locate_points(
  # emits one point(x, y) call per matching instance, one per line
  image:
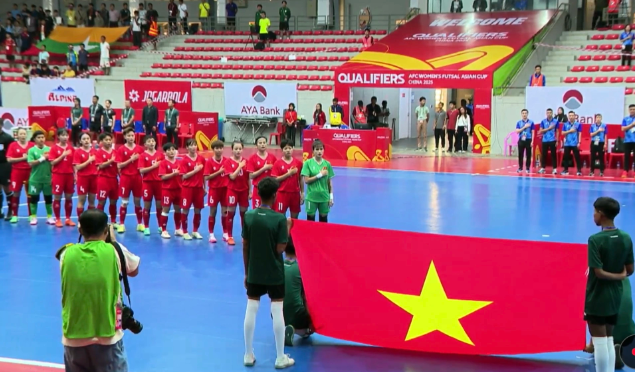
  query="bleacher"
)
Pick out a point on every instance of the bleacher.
point(590, 57)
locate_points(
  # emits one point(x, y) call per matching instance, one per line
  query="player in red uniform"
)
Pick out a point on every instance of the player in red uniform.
point(107, 185)
point(286, 170)
point(152, 186)
point(259, 166)
point(192, 170)
point(126, 158)
point(169, 171)
point(238, 191)
point(86, 170)
point(217, 184)
point(62, 177)
point(20, 170)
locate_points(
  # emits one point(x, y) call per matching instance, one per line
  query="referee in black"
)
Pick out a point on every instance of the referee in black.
point(5, 173)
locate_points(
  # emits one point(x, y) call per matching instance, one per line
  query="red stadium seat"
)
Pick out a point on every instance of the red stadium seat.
point(196, 85)
point(577, 69)
point(585, 79)
point(269, 67)
point(302, 87)
point(280, 77)
point(344, 59)
point(325, 78)
point(290, 68)
point(207, 76)
point(176, 75)
point(333, 68)
point(607, 68)
point(280, 67)
point(314, 87)
point(616, 79)
point(300, 58)
point(617, 46)
point(269, 77)
point(326, 88)
point(291, 77)
point(622, 68)
point(591, 47)
point(592, 68)
point(612, 36)
point(599, 57)
point(301, 67)
point(629, 91)
point(187, 75)
point(323, 68)
point(570, 80)
point(205, 85)
point(322, 59)
point(613, 57)
point(156, 65)
point(312, 68)
point(227, 76)
point(145, 74)
point(605, 47)
point(248, 77)
point(311, 58)
point(630, 79)
point(601, 79)
point(216, 76)
point(259, 77)
point(618, 26)
point(313, 77)
point(598, 37)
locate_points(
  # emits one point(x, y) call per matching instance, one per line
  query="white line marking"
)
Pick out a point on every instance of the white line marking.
point(545, 236)
point(41, 201)
point(31, 363)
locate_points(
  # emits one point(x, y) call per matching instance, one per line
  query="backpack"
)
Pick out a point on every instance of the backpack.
point(260, 46)
point(618, 146)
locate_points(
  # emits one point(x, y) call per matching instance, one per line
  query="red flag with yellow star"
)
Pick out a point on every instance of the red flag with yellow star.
point(445, 294)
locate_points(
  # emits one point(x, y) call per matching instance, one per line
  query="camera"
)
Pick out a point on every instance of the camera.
point(129, 322)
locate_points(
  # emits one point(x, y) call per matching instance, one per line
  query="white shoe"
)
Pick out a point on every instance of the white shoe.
point(33, 221)
point(249, 360)
point(284, 362)
point(165, 235)
point(179, 232)
point(225, 237)
point(187, 236)
point(211, 239)
point(50, 221)
point(197, 235)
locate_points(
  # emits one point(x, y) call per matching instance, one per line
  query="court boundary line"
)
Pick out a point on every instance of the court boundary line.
point(34, 363)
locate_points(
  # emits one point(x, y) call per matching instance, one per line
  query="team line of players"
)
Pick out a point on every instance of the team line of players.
point(150, 175)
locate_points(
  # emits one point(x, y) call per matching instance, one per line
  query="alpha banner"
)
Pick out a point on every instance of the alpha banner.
point(138, 91)
point(458, 295)
point(61, 92)
point(260, 100)
point(13, 118)
point(205, 127)
point(586, 102)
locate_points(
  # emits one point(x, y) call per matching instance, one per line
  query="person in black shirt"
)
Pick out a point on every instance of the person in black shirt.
point(95, 118)
point(5, 172)
point(90, 16)
point(374, 112)
point(108, 119)
point(149, 118)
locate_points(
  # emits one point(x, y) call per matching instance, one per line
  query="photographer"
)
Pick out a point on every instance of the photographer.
point(93, 314)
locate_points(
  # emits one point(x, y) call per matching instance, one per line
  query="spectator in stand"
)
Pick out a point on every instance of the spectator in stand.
point(68, 72)
point(257, 19)
point(537, 79)
point(204, 11)
point(456, 6)
point(83, 59)
point(125, 15)
point(385, 114)
point(15, 11)
point(26, 71)
point(114, 16)
point(43, 56)
point(104, 14)
point(290, 121)
point(55, 72)
point(452, 115)
point(335, 114)
point(105, 55)
point(319, 117)
point(479, 5)
point(57, 19)
point(34, 11)
point(367, 41)
point(374, 112)
point(100, 21)
point(183, 16)
point(284, 18)
point(143, 21)
point(32, 25)
point(231, 13)
point(25, 41)
point(264, 23)
point(172, 16)
point(10, 50)
point(627, 39)
point(136, 28)
point(42, 30)
point(80, 16)
point(45, 71)
point(72, 57)
point(90, 16)
point(70, 16)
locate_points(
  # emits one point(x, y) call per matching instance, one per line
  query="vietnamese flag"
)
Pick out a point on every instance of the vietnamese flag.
point(444, 294)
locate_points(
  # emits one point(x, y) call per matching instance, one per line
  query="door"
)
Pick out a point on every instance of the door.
point(404, 116)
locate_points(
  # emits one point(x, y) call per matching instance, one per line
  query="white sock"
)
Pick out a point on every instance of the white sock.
point(249, 325)
point(601, 355)
point(278, 326)
point(612, 354)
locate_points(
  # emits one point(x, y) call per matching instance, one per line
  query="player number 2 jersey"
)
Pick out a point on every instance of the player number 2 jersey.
point(65, 166)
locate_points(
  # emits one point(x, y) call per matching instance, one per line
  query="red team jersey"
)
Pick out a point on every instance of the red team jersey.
point(290, 184)
point(16, 150)
point(80, 156)
point(168, 167)
point(122, 154)
point(102, 156)
point(255, 163)
point(212, 166)
point(146, 160)
point(241, 182)
point(66, 165)
point(188, 165)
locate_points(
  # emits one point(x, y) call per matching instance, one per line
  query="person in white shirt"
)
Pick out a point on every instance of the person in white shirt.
point(43, 56)
point(462, 130)
point(136, 28)
point(105, 55)
point(183, 15)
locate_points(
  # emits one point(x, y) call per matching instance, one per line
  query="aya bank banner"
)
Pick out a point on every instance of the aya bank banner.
point(137, 91)
point(258, 99)
point(13, 118)
point(586, 102)
point(61, 92)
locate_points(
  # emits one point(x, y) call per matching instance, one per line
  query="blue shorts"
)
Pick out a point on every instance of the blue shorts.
point(96, 358)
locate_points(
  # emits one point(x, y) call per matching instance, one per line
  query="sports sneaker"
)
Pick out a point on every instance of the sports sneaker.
point(249, 360)
point(230, 240)
point(165, 235)
point(541, 171)
point(225, 237)
point(116, 226)
point(284, 362)
point(58, 223)
point(179, 232)
point(564, 173)
point(197, 235)
point(147, 232)
point(14, 219)
point(33, 221)
point(555, 171)
point(121, 229)
point(579, 173)
point(519, 170)
point(211, 239)
point(140, 227)
point(289, 335)
point(591, 174)
point(69, 223)
point(602, 174)
point(187, 236)
point(50, 221)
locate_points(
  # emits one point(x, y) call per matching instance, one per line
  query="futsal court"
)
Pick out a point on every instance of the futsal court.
point(190, 295)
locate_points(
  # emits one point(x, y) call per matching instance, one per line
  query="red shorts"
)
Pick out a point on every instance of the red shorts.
point(288, 200)
point(217, 195)
point(62, 183)
point(107, 188)
point(130, 184)
point(192, 196)
point(19, 177)
point(237, 198)
point(171, 197)
point(87, 185)
point(152, 190)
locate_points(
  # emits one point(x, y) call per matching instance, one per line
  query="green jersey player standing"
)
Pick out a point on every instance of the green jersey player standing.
point(40, 179)
point(317, 173)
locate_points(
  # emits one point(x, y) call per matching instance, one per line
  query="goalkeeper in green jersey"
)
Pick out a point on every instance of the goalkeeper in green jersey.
point(40, 179)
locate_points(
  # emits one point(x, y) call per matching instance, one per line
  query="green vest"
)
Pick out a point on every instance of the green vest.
point(91, 290)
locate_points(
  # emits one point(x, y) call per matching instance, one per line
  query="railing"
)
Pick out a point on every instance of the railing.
point(444, 6)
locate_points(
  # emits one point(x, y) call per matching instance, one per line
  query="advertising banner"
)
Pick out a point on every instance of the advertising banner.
point(416, 79)
point(43, 118)
point(137, 91)
point(429, 300)
point(61, 92)
point(259, 100)
point(13, 118)
point(586, 102)
point(205, 127)
point(361, 145)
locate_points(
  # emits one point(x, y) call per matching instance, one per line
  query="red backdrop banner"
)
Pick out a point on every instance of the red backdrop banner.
point(137, 91)
point(445, 294)
point(205, 127)
point(366, 145)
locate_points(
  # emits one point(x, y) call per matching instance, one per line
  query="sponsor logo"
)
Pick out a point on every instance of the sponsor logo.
point(158, 96)
point(573, 99)
point(370, 79)
point(61, 94)
point(205, 120)
point(259, 94)
point(479, 22)
point(346, 136)
point(482, 107)
point(461, 37)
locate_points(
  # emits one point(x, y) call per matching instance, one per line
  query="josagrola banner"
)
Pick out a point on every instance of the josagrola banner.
point(138, 91)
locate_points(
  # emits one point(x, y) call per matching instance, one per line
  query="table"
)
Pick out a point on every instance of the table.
point(257, 124)
point(358, 145)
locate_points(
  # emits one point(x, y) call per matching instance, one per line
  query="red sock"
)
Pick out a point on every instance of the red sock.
point(164, 222)
point(197, 219)
point(177, 218)
point(241, 218)
point(113, 212)
point(68, 208)
point(223, 222)
point(211, 224)
point(93, 207)
point(147, 217)
point(185, 223)
point(79, 211)
point(99, 206)
point(56, 209)
point(15, 202)
point(230, 217)
point(139, 213)
point(123, 208)
point(158, 213)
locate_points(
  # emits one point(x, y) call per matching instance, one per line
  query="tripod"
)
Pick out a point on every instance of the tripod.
point(251, 38)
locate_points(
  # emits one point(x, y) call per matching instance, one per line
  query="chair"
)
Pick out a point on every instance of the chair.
point(139, 132)
point(184, 133)
point(601, 79)
point(276, 134)
point(577, 69)
point(118, 137)
point(161, 134)
point(511, 141)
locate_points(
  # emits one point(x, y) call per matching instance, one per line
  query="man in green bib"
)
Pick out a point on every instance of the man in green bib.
point(317, 173)
point(92, 298)
point(128, 116)
point(284, 18)
point(40, 178)
point(257, 18)
point(171, 122)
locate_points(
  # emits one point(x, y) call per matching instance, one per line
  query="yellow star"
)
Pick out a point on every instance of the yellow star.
point(433, 311)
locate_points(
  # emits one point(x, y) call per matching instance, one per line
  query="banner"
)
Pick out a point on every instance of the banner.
point(137, 91)
point(13, 118)
point(205, 127)
point(460, 295)
point(60, 38)
point(258, 99)
point(362, 145)
point(61, 92)
point(43, 118)
point(586, 102)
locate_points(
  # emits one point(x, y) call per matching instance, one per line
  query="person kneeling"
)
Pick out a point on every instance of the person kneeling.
point(296, 314)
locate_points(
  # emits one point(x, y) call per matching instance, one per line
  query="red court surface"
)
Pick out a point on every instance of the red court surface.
point(16, 365)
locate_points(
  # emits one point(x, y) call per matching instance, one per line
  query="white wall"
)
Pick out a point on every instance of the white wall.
point(383, 94)
point(430, 101)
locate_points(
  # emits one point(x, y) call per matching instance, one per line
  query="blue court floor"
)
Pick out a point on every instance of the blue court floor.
point(191, 299)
